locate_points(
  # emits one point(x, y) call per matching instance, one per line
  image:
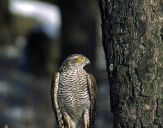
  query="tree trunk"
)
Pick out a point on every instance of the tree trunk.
point(134, 55)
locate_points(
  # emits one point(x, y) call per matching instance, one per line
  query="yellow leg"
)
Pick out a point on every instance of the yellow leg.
point(68, 119)
point(86, 119)
point(70, 122)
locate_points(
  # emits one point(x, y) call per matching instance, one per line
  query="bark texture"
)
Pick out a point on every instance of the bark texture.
point(133, 45)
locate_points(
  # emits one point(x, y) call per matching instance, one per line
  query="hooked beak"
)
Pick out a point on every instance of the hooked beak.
point(87, 61)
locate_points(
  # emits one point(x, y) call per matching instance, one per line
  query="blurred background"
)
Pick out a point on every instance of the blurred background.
point(35, 37)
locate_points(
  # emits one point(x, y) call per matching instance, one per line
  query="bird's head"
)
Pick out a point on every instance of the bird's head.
point(75, 61)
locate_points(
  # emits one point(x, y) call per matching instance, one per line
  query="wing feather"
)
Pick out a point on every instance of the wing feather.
point(92, 87)
point(54, 99)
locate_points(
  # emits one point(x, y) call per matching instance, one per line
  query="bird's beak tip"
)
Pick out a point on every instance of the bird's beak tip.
point(88, 62)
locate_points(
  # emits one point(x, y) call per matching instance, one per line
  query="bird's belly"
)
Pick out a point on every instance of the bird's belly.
point(73, 102)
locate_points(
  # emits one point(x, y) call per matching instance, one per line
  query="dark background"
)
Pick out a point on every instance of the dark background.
point(29, 55)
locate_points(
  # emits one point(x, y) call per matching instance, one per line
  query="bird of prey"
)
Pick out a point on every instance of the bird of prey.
point(73, 93)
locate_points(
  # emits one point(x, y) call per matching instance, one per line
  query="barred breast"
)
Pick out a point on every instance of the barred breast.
point(73, 93)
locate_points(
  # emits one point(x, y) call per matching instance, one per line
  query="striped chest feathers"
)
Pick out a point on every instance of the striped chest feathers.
point(73, 78)
point(73, 89)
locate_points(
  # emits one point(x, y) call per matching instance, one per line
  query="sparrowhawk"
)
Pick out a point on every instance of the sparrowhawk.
point(73, 93)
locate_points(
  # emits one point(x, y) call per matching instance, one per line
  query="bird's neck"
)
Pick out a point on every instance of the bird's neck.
point(64, 69)
point(76, 71)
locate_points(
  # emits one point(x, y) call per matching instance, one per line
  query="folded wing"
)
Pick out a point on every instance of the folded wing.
point(92, 88)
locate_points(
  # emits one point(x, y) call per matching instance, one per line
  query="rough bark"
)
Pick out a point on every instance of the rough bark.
point(134, 55)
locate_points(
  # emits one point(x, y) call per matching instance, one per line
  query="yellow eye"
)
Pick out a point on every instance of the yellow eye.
point(80, 60)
